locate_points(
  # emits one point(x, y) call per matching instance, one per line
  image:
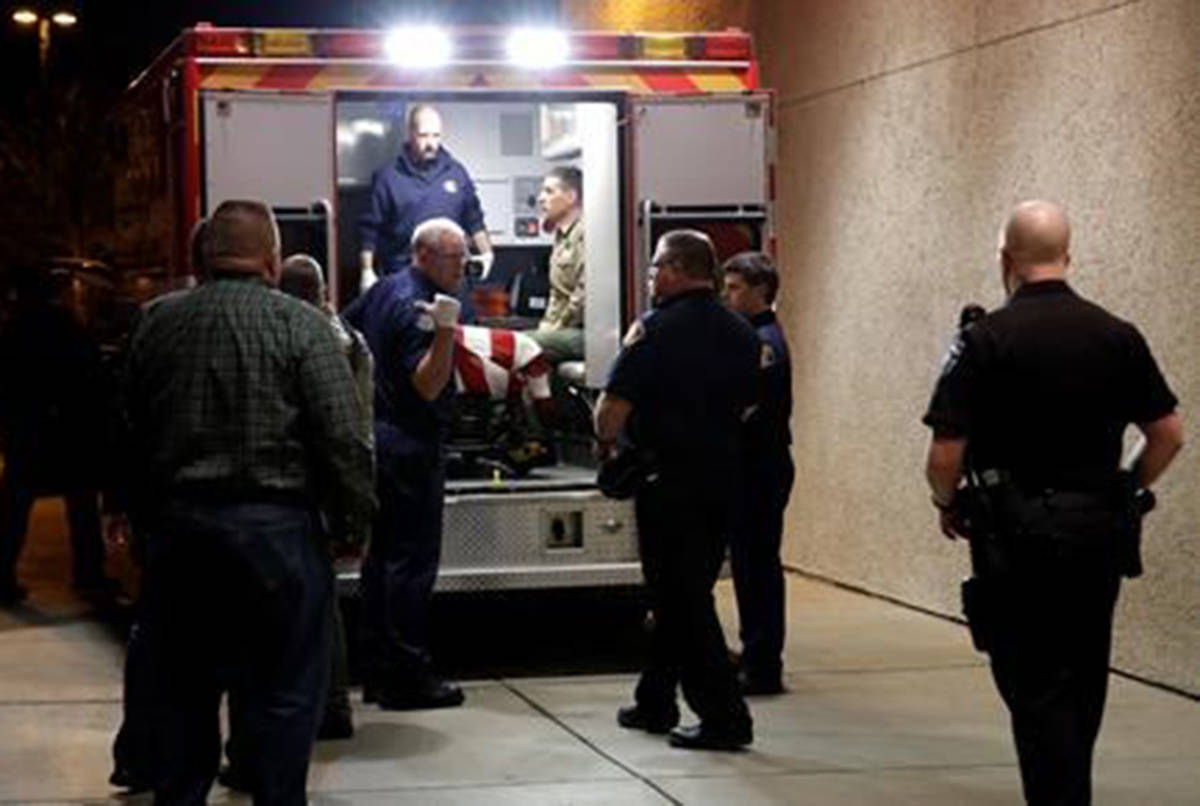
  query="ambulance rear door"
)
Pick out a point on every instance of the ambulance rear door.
point(702, 162)
point(277, 147)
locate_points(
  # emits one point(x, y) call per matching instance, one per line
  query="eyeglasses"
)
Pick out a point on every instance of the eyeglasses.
point(456, 257)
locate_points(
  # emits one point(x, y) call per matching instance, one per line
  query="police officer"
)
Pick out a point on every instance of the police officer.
point(750, 286)
point(1034, 399)
point(679, 388)
point(424, 182)
point(408, 319)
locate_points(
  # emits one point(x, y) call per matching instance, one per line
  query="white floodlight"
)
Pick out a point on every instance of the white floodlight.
point(64, 18)
point(538, 47)
point(25, 16)
point(418, 46)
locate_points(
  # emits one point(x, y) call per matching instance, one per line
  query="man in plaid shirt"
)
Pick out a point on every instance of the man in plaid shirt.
point(245, 430)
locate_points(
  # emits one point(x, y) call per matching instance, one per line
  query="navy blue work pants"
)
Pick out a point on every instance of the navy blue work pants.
point(757, 570)
point(236, 600)
point(682, 537)
point(400, 569)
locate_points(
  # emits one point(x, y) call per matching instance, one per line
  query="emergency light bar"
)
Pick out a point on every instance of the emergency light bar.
point(427, 47)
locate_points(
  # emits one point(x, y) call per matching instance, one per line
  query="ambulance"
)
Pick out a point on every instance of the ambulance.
point(669, 130)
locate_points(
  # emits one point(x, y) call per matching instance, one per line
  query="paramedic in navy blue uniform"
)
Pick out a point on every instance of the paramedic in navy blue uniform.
point(679, 389)
point(408, 319)
point(750, 285)
point(424, 182)
point(1040, 393)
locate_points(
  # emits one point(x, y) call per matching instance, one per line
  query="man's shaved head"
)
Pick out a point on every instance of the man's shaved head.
point(1035, 244)
point(1037, 233)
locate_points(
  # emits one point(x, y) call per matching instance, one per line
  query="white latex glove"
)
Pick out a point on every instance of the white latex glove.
point(444, 309)
point(369, 278)
point(486, 259)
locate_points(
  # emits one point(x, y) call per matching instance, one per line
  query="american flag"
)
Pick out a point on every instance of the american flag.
point(499, 364)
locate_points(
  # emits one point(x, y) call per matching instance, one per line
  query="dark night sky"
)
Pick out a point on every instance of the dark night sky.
point(117, 38)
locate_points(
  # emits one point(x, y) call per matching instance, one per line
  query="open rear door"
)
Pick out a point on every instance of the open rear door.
point(701, 162)
point(277, 147)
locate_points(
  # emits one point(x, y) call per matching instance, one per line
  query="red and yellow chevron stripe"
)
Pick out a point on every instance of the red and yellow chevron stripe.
point(251, 75)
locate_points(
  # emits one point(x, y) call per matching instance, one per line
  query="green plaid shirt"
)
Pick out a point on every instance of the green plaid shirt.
point(237, 391)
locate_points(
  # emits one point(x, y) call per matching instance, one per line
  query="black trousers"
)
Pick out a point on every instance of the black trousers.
point(757, 570)
point(400, 569)
point(133, 747)
point(236, 600)
point(17, 493)
point(682, 535)
point(1050, 659)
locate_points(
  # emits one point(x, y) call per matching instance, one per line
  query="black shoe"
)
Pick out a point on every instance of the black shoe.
point(131, 782)
point(760, 685)
point(232, 777)
point(635, 718)
point(335, 725)
point(429, 693)
point(703, 737)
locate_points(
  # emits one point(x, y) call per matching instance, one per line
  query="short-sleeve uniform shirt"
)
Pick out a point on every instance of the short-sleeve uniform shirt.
point(1045, 387)
point(399, 334)
point(689, 368)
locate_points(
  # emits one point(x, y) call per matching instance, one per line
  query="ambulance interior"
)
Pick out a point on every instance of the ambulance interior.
point(507, 147)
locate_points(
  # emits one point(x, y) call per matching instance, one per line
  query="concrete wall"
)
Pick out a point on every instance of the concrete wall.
point(907, 129)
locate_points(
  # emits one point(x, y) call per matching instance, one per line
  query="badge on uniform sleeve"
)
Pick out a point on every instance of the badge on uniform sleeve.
point(424, 319)
point(450, 186)
point(767, 358)
point(953, 355)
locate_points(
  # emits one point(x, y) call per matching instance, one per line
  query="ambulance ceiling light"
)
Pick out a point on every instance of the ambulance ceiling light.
point(418, 46)
point(538, 47)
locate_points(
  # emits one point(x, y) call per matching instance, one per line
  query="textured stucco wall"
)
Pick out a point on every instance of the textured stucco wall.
point(658, 15)
point(906, 132)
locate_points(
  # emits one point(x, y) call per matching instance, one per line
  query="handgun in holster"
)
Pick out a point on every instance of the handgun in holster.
point(1136, 502)
point(977, 517)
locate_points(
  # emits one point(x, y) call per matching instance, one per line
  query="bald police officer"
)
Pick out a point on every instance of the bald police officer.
point(1033, 401)
point(679, 390)
point(423, 182)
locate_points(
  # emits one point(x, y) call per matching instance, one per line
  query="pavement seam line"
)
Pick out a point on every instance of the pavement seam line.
point(962, 622)
point(585, 741)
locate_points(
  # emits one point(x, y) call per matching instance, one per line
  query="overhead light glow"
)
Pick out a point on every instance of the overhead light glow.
point(421, 46)
point(65, 18)
point(538, 47)
point(24, 16)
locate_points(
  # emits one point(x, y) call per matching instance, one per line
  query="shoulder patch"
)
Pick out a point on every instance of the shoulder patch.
point(767, 357)
point(953, 354)
point(450, 186)
point(424, 320)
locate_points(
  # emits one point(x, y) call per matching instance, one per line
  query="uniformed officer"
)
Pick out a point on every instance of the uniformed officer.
point(424, 182)
point(679, 389)
point(750, 286)
point(408, 319)
point(1034, 399)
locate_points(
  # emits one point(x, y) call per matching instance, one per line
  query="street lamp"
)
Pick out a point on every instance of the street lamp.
point(27, 17)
